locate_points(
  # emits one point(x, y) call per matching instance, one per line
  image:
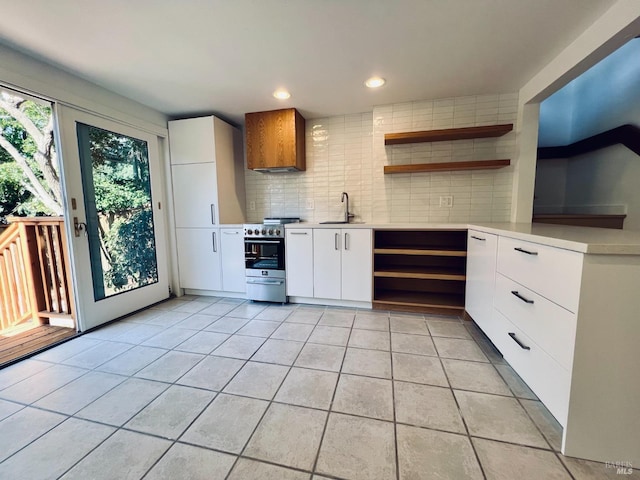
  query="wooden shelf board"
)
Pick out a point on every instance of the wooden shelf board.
point(420, 299)
point(447, 166)
point(441, 252)
point(431, 273)
point(466, 133)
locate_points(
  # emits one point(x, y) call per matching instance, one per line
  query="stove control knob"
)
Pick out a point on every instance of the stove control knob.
point(270, 231)
point(256, 231)
point(277, 232)
point(264, 231)
point(248, 231)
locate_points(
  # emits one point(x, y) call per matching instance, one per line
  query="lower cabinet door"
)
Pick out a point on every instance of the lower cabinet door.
point(199, 258)
point(232, 259)
point(357, 265)
point(327, 263)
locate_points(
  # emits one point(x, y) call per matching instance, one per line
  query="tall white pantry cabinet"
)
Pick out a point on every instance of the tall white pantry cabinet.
point(207, 172)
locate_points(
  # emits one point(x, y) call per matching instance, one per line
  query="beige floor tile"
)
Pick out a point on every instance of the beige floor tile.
point(418, 369)
point(479, 377)
point(499, 418)
point(257, 380)
point(308, 388)
point(240, 347)
point(587, 470)
point(212, 373)
point(288, 435)
point(519, 388)
point(372, 363)
point(411, 343)
point(202, 342)
point(194, 463)
point(345, 454)
point(447, 328)
point(372, 322)
point(227, 324)
point(364, 396)
point(170, 367)
point(547, 424)
point(336, 318)
point(409, 324)
point(247, 469)
point(459, 349)
point(259, 328)
point(227, 423)
point(502, 461)
point(427, 454)
point(282, 352)
point(293, 331)
point(427, 406)
point(330, 335)
point(276, 314)
point(307, 316)
point(321, 357)
point(371, 339)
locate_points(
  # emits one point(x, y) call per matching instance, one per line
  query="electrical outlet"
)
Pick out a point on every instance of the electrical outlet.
point(252, 206)
point(446, 201)
point(309, 204)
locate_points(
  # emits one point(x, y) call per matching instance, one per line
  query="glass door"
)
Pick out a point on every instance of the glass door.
point(112, 182)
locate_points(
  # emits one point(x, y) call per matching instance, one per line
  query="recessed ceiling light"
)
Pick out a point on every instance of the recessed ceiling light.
point(375, 82)
point(281, 94)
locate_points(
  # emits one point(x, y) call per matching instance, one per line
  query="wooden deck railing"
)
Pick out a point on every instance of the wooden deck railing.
point(35, 277)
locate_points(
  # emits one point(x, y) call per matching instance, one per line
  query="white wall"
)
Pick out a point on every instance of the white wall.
point(347, 153)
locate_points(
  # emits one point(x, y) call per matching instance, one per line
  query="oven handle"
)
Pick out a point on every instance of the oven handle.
point(264, 281)
point(261, 241)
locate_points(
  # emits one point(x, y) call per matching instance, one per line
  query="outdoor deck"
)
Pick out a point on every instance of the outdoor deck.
point(28, 338)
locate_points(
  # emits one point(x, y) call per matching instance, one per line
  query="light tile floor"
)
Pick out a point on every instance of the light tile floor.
point(216, 388)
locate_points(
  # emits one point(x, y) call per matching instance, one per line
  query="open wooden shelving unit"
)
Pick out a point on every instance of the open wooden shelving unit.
point(466, 133)
point(420, 270)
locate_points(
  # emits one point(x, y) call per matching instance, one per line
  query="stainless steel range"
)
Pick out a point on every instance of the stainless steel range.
point(264, 258)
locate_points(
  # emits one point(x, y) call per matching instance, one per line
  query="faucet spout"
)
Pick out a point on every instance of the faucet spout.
point(347, 215)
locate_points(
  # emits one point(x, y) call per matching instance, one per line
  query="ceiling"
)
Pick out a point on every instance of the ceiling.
point(227, 56)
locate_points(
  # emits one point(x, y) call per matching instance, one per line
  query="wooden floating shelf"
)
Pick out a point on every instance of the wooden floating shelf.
point(466, 133)
point(421, 251)
point(416, 299)
point(447, 166)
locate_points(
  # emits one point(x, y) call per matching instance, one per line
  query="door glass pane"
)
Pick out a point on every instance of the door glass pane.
point(117, 194)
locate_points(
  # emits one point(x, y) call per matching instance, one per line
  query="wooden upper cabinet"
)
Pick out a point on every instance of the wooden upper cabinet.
point(275, 140)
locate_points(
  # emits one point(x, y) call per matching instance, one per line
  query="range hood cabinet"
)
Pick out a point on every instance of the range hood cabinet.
point(275, 141)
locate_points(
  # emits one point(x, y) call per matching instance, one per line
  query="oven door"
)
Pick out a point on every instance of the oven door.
point(263, 254)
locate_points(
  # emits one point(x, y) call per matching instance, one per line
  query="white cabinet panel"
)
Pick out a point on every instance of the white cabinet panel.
point(192, 140)
point(356, 265)
point(232, 259)
point(327, 263)
point(199, 258)
point(481, 270)
point(299, 262)
point(195, 196)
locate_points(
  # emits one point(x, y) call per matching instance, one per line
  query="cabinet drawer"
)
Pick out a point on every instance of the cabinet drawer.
point(552, 272)
point(546, 378)
point(550, 326)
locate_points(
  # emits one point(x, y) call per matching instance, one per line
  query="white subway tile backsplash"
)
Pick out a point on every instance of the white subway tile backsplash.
point(347, 153)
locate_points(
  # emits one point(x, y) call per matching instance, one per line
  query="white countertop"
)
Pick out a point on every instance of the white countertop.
point(600, 241)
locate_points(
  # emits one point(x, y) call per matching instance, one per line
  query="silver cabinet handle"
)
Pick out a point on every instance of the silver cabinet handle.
point(346, 245)
point(336, 236)
point(479, 238)
point(298, 233)
point(213, 213)
point(213, 236)
point(230, 233)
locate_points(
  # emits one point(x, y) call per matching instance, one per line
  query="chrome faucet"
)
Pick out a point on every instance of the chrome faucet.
point(347, 215)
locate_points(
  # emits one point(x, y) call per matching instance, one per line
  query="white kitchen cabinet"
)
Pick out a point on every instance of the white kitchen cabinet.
point(199, 261)
point(299, 262)
point(232, 259)
point(207, 173)
point(565, 318)
point(342, 264)
point(356, 264)
point(481, 272)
